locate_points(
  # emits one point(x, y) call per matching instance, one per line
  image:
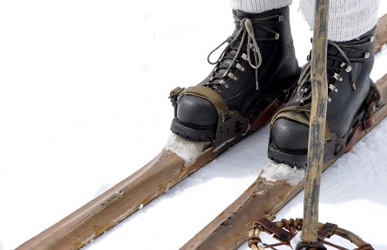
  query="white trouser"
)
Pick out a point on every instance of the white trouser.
point(348, 19)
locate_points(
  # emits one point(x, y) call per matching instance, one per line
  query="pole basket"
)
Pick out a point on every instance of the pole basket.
point(286, 234)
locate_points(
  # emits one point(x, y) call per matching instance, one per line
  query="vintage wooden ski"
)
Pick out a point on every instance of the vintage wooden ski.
point(267, 195)
point(161, 173)
point(167, 169)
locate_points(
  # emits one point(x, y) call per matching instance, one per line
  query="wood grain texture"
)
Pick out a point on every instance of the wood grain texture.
point(127, 197)
point(317, 124)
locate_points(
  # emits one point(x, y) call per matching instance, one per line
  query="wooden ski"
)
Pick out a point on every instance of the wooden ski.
point(267, 195)
point(152, 180)
point(125, 198)
point(263, 198)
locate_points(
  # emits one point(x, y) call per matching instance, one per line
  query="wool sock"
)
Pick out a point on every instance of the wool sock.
point(258, 6)
point(348, 19)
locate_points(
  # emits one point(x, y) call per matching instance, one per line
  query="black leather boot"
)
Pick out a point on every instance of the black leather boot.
point(349, 65)
point(257, 66)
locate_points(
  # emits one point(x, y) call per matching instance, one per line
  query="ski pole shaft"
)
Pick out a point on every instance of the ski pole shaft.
point(317, 122)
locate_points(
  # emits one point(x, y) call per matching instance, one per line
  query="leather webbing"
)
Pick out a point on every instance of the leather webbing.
point(300, 115)
point(209, 95)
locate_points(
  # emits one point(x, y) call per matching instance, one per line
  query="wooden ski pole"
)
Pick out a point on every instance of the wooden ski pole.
point(317, 124)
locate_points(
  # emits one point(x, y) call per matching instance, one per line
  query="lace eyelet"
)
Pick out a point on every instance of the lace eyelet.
point(347, 67)
point(338, 77)
point(232, 76)
point(333, 88)
point(244, 56)
point(240, 67)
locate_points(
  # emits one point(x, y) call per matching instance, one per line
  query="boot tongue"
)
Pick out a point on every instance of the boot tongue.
point(240, 15)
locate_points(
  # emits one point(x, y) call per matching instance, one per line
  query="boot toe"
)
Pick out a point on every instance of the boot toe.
point(289, 135)
point(196, 112)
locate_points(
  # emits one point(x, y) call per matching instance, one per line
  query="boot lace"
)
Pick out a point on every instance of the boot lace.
point(345, 62)
point(241, 44)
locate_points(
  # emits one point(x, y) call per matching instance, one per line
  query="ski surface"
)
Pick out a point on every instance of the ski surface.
point(179, 159)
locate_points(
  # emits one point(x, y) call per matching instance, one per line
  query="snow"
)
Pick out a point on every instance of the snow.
point(83, 104)
point(282, 172)
point(296, 240)
point(189, 151)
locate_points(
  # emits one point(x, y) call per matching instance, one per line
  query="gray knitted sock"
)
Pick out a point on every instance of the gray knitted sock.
point(258, 6)
point(348, 19)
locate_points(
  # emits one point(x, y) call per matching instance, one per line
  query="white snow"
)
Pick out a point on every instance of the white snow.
point(84, 103)
point(296, 240)
point(189, 151)
point(282, 172)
